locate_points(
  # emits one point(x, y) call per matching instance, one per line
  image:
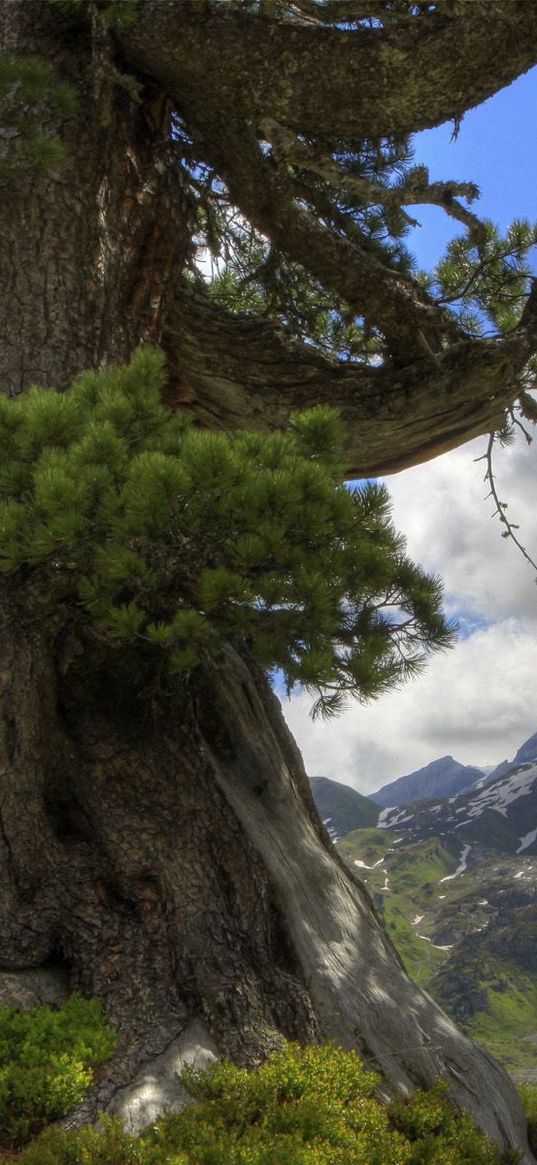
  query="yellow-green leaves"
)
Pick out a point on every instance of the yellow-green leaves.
point(46, 1063)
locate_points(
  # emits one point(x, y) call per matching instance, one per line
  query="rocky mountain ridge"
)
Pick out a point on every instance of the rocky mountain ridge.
point(440, 778)
point(500, 816)
point(341, 808)
point(526, 752)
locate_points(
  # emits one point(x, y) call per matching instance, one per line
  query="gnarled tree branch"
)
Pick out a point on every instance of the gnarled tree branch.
point(238, 372)
point(327, 82)
point(225, 71)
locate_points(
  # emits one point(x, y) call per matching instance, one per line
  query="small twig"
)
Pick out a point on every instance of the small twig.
point(510, 527)
point(528, 436)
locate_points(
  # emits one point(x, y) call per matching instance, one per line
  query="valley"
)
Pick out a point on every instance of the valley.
point(455, 881)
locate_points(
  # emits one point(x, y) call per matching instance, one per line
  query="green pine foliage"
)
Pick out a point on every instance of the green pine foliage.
point(47, 1058)
point(124, 524)
point(486, 281)
point(252, 276)
point(484, 276)
point(28, 91)
point(304, 1106)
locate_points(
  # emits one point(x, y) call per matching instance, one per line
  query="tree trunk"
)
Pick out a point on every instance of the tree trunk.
point(171, 860)
point(89, 253)
point(174, 861)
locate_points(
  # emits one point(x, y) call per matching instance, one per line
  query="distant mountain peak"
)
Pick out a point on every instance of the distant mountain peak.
point(527, 752)
point(443, 777)
point(498, 816)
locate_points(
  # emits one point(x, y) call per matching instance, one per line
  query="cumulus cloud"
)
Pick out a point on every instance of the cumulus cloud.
point(442, 509)
point(477, 701)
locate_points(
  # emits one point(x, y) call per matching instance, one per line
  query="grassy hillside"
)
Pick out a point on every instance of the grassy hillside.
point(342, 806)
point(470, 940)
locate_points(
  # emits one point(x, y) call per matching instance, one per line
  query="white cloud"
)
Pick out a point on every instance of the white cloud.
point(477, 701)
point(441, 508)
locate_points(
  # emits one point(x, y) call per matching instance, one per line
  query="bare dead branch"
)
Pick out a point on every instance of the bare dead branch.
point(416, 190)
point(509, 527)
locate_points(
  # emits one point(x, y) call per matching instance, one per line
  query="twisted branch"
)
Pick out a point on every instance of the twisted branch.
point(501, 507)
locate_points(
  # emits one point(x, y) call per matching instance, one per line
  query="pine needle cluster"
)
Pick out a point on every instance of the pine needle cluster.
point(123, 523)
point(29, 91)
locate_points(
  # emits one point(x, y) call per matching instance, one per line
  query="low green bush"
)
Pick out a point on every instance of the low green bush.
point(304, 1106)
point(151, 541)
point(528, 1095)
point(47, 1059)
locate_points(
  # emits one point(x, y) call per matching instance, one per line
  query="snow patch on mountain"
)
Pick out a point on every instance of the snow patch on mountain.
point(503, 792)
point(527, 840)
point(331, 830)
point(399, 819)
point(362, 865)
point(462, 866)
point(513, 798)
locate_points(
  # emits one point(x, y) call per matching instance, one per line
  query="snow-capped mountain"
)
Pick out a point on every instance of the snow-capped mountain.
point(527, 752)
point(455, 878)
point(500, 816)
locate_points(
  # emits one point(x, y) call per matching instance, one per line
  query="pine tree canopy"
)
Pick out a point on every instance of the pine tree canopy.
point(129, 527)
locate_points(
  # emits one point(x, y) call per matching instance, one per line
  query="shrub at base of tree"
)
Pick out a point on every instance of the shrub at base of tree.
point(47, 1059)
point(303, 1106)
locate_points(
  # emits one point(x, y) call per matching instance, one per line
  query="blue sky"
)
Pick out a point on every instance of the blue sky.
point(497, 148)
point(476, 702)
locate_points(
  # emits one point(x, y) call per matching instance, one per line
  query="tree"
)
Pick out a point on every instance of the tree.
point(167, 851)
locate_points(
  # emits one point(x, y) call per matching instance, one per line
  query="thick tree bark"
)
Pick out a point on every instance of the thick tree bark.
point(170, 858)
point(330, 83)
point(236, 372)
point(88, 253)
point(177, 866)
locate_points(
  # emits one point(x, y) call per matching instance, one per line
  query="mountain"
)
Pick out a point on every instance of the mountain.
point(440, 778)
point(527, 752)
point(465, 925)
point(342, 808)
point(456, 883)
point(499, 816)
point(455, 879)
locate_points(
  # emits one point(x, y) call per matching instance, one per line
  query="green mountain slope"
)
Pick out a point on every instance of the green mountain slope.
point(341, 807)
point(469, 936)
point(455, 880)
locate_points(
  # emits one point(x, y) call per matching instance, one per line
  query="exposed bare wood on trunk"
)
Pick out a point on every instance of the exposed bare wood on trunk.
point(355, 980)
point(180, 869)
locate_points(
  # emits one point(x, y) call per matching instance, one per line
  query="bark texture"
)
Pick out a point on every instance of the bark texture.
point(238, 372)
point(178, 868)
point(169, 859)
point(178, 871)
point(88, 253)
